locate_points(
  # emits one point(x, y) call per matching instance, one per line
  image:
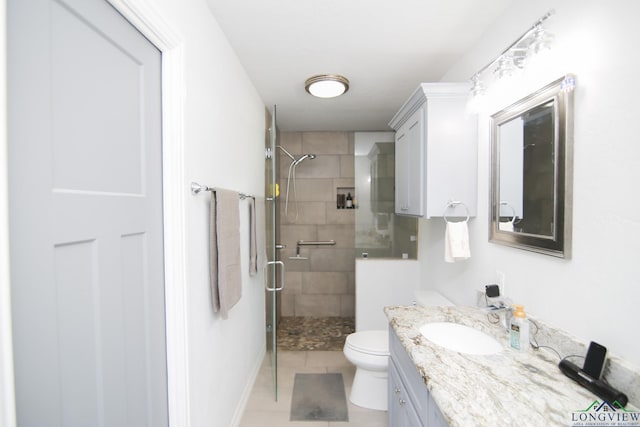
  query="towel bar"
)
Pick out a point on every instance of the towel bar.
point(196, 188)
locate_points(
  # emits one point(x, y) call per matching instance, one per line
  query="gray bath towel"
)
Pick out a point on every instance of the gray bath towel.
point(226, 279)
point(253, 246)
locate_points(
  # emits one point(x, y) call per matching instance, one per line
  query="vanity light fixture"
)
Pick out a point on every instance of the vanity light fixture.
point(327, 85)
point(506, 65)
point(541, 40)
point(533, 41)
point(477, 88)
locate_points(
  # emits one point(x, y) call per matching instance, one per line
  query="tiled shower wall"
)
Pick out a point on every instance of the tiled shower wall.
point(324, 284)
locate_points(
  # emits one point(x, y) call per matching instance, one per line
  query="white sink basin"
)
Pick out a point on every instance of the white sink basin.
point(460, 338)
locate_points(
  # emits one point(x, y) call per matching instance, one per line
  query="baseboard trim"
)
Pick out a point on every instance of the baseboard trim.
point(248, 388)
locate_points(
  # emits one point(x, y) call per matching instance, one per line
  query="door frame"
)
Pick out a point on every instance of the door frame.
point(7, 390)
point(155, 28)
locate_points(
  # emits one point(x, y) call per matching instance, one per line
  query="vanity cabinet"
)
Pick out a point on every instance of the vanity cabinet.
point(410, 404)
point(436, 152)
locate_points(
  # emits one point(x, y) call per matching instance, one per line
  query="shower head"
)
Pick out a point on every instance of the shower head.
point(305, 156)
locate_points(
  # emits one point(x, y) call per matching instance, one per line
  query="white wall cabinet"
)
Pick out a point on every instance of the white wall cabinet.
point(436, 152)
point(410, 403)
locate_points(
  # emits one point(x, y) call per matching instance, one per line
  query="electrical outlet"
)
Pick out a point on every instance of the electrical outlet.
point(481, 301)
point(501, 279)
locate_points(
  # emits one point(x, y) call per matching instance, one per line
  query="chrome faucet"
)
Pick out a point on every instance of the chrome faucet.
point(507, 311)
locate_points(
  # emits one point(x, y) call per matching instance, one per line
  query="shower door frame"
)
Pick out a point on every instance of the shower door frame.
point(274, 280)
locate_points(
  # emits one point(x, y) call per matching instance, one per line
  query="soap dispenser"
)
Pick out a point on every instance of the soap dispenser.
point(519, 329)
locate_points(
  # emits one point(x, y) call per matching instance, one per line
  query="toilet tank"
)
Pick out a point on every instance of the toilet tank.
point(381, 283)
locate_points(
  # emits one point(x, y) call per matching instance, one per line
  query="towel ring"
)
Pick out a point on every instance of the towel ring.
point(453, 203)
point(513, 217)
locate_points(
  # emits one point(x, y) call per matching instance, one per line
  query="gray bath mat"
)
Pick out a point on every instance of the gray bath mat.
point(319, 397)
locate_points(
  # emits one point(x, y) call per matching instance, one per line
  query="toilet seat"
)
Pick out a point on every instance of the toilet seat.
point(375, 343)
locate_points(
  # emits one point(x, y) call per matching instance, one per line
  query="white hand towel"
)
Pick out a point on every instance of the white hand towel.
point(456, 242)
point(505, 226)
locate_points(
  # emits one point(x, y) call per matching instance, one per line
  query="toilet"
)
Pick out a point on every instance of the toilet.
point(368, 350)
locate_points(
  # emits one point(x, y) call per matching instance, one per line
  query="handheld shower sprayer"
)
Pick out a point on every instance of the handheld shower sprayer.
point(306, 156)
point(292, 173)
point(294, 161)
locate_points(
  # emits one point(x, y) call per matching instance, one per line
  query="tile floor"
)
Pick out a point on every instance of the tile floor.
point(262, 411)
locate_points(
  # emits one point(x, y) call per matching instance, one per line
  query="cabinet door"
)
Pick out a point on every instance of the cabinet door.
point(401, 410)
point(402, 157)
point(410, 172)
point(416, 163)
point(396, 415)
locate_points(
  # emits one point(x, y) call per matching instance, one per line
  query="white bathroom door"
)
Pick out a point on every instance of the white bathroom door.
point(85, 182)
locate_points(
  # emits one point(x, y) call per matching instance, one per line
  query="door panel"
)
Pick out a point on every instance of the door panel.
point(85, 187)
point(113, 160)
point(276, 270)
point(271, 295)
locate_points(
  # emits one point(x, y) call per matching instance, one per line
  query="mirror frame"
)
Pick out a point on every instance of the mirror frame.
point(559, 243)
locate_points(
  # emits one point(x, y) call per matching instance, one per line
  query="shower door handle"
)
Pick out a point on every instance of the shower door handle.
point(281, 276)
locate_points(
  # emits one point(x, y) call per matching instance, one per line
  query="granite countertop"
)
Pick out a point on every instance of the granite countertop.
point(507, 388)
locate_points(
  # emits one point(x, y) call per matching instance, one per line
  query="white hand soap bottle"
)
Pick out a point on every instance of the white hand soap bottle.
point(519, 329)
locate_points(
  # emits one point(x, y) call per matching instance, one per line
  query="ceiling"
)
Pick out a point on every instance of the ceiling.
point(385, 48)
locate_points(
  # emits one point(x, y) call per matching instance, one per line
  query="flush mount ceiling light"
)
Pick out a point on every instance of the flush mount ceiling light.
point(327, 85)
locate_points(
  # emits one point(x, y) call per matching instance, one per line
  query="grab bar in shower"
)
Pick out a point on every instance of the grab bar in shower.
point(310, 243)
point(314, 243)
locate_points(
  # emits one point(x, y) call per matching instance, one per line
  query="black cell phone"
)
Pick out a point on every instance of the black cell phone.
point(594, 360)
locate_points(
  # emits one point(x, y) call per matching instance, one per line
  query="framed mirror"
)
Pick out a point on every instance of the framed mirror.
point(532, 170)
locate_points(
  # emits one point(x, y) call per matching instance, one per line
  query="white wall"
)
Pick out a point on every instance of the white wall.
point(595, 294)
point(224, 147)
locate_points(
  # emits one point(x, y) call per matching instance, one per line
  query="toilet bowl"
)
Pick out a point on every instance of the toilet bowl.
point(369, 351)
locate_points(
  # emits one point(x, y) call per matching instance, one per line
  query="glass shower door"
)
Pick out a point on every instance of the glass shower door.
point(275, 269)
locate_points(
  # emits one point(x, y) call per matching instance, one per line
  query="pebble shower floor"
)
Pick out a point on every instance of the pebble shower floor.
point(314, 333)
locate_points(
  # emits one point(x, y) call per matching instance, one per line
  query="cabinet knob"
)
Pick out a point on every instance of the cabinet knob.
point(402, 402)
point(396, 390)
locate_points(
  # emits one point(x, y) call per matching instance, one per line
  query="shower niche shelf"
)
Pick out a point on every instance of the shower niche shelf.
point(342, 198)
